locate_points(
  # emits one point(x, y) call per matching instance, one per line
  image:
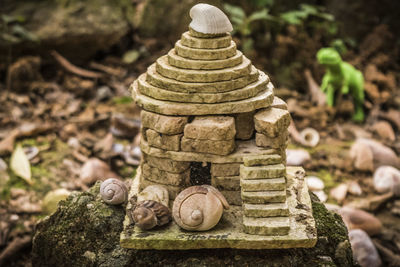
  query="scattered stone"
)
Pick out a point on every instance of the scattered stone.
point(354, 188)
point(297, 157)
point(94, 170)
point(387, 179)
point(384, 130)
point(51, 199)
point(272, 122)
point(364, 250)
point(122, 126)
point(222, 147)
point(163, 141)
point(3, 165)
point(226, 169)
point(332, 207)
point(244, 124)
point(211, 128)
point(163, 124)
point(339, 192)
point(275, 142)
point(103, 93)
point(368, 154)
point(359, 219)
point(371, 203)
point(314, 183)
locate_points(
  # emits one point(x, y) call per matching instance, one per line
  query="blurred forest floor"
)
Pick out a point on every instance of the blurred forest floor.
point(76, 121)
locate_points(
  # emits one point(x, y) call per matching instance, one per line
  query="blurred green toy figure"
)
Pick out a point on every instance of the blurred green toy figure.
point(344, 77)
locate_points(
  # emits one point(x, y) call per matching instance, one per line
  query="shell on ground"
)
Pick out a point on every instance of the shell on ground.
point(114, 191)
point(209, 19)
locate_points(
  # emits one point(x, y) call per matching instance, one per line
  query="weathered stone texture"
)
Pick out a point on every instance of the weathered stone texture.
point(272, 122)
point(260, 172)
point(227, 169)
point(274, 142)
point(230, 183)
point(163, 141)
point(211, 128)
point(208, 43)
point(266, 226)
point(279, 103)
point(166, 164)
point(220, 147)
point(205, 54)
point(163, 124)
point(164, 177)
point(259, 160)
point(244, 123)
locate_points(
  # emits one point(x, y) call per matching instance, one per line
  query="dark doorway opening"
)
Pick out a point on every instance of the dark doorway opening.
point(200, 173)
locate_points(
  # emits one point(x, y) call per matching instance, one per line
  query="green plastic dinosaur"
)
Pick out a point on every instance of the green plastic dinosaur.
point(341, 77)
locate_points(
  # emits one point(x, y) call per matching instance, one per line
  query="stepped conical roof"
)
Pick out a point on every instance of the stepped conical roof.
point(203, 74)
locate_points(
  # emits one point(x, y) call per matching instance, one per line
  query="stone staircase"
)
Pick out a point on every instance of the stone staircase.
point(263, 192)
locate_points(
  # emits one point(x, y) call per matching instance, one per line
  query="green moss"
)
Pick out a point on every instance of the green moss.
point(121, 100)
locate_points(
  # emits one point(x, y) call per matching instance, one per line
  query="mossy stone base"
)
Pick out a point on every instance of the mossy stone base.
point(229, 232)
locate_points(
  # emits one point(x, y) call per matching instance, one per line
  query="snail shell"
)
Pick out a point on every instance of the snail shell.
point(310, 137)
point(199, 208)
point(209, 19)
point(154, 192)
point(149, 213)
point(114, 191)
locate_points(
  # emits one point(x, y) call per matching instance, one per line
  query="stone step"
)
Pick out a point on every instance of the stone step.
point(262, 172)
point(264, 197)
point(209, 43)
point(266, 210)
point(250, 90)
point(259, 160)
point(186, 75)
point(262, 100)
point(272, 122)
point(157, 80)
point(274, 226)
point(196, 64)
point(271, 184)
point(207, 54)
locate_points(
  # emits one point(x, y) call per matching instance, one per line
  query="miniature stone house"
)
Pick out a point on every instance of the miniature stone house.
point(209, 116)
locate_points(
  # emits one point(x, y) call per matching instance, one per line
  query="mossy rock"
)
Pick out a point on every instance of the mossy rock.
point(85, 231)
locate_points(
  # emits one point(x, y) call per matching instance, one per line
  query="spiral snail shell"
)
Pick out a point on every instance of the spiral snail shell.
point(149, 214)
point(199, 208)
point(114, 191)
point(154, 192)
point(209, 19)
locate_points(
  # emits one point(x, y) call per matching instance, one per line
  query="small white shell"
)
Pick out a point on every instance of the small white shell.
point(209, 19)
point(154, 192)
point(114, 191)
point(310, 137)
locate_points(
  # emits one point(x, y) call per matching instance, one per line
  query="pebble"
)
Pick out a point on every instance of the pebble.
point(314, 183)
point(359, 219)
point(384, 130)
point(368, 154)
point(364, 250)
point(354, 188)
point(387, 179)
point(332, 207)
point(94, 170)
point(339, 192)
point(297, 157)
point(3, 165)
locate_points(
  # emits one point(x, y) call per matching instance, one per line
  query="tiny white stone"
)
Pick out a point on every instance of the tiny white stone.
point(314, 183)
point(297, 157)
point(386, 179)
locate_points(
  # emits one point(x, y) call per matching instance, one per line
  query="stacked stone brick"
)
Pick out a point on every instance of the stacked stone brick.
point(205, 102)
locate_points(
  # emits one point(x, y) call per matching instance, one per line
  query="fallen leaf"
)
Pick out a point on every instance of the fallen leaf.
point(20, 165)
